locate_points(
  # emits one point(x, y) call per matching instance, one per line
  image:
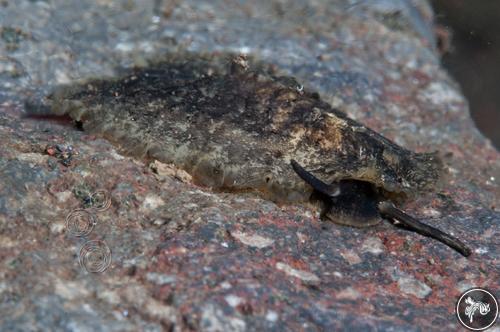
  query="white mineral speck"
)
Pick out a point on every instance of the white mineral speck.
point(301, 274)
point(272, 316)
point(430, 212)
point(152, 202)
point(441, 94)
point(160, 279)
point(481, 250)
point(225, 285)
point(373, 245)
point(124, 47)
point(348, 294)
point(63, 196)
point(233, 300)
point(253, 240)
point(351, 257)
point(464, 285)
point(410, 285)
point(57, 228)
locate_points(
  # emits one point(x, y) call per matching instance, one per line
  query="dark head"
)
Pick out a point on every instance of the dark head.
point(361, 204)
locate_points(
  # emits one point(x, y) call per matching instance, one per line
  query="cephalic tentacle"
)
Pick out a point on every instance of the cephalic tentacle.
point(388, 210)
point(330, 190)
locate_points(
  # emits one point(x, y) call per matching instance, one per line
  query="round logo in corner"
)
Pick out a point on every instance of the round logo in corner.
point(477, 309)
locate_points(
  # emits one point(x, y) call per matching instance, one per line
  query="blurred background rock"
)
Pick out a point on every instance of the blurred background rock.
point(473, 56)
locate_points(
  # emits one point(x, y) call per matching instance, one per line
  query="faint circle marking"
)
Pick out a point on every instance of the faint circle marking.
point(80, 222)
point(95, 256)
point(101, 201)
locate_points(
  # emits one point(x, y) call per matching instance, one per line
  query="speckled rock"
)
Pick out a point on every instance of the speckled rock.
point(185, 258)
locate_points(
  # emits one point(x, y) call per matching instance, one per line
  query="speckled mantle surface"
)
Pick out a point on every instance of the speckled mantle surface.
point(184, 257)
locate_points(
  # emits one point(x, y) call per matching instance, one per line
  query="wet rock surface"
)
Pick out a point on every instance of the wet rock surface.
point(184, 257)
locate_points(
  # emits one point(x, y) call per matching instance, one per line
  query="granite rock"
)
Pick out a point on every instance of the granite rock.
point(183, 257)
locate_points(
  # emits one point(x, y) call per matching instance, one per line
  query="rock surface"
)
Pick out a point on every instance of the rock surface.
point(186, 258)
